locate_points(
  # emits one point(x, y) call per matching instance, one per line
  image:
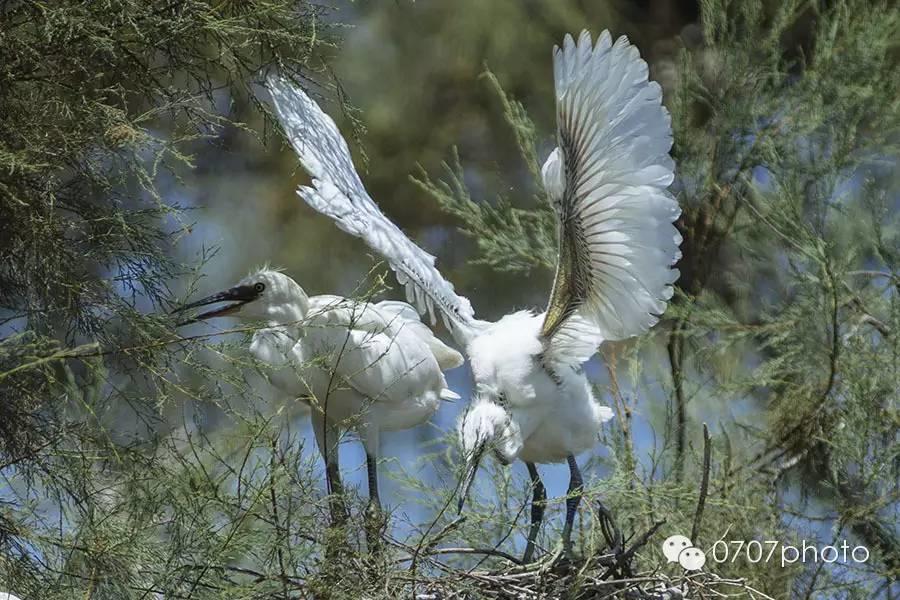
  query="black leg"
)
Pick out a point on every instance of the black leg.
point(538, 502)
point(576, 487)
point(327, 440)
point(372, 468)
point(335, 494)
point(374, 517)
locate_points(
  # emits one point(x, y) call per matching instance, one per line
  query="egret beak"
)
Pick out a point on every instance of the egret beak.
point(238, 296)
point(469, 478)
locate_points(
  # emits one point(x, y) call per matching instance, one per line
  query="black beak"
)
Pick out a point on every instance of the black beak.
point(238, 296)
point(469, 478)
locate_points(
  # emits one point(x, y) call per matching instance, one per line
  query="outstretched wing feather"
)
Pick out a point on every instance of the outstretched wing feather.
point(338, 192)
point(608, 181)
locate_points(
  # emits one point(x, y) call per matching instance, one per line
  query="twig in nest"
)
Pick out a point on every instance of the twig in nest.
point(623, 558)
point(484, 551)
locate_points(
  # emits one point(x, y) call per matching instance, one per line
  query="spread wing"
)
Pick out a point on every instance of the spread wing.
point(607, 180)
point(338, 193)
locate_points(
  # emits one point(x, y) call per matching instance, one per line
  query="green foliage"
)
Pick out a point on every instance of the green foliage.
point(135, 463)
point(508, 238)
point(786, 128)
point(101, 105)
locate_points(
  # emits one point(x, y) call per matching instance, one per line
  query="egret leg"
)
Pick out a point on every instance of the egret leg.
point(538, 502)
point(372, 468)
point(326, 438)
point(374, 516)
point(335, 493)
point(576, 487)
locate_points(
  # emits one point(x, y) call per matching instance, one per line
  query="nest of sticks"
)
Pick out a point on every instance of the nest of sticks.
point(612, 574)
point(608, 575)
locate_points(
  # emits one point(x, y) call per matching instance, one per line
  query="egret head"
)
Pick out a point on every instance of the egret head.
point(267, 295)
point(480, 428)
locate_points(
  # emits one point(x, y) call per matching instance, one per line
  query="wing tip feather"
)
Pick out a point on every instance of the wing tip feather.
point(608, 83)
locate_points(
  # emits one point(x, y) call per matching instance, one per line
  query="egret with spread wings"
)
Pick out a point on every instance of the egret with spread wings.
point(608, 182)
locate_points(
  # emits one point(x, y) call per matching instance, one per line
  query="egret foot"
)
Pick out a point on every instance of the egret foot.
point(557, 562)
point(375, 526)
point(563, 561)
point(338, 511)
point(538, 502)
point(335, 536)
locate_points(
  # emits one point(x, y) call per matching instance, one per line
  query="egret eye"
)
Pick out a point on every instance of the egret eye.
point(259, 287)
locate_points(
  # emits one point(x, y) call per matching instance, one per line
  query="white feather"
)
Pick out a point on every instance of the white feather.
point(406, 315)
point(529, 414)
point(575, 342)
point(338, 193)
point(610, 175)
point(367, 365)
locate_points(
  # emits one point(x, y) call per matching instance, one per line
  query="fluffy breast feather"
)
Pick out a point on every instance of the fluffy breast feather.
point(504, 355)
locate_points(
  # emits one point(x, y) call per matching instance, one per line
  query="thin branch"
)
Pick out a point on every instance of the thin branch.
point(704, 483)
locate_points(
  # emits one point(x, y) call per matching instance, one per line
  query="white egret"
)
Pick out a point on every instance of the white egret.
point(375, 367)
point(607, 180)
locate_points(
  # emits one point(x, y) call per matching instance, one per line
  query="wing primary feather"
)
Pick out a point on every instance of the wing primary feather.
point(338, 193)
point(607, 180)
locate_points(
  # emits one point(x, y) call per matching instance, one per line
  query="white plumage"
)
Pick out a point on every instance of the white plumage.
point(607, 180)
point(339, 193)
point(544, 417)
point(373, 367)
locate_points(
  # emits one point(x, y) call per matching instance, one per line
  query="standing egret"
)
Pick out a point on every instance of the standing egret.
point(607, 181)
point(375, 367)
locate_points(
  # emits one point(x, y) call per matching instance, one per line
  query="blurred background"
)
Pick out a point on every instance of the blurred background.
point(141, 168)
point(415, 77)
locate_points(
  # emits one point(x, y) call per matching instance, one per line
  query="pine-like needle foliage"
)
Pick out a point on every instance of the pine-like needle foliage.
point(101, 103)
point(783, 335)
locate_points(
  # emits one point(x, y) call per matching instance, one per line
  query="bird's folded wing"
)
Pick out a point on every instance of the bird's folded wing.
point(608, 181)
point(338, 193)
point(359, 343)
point(388, 317)
point(402, 315)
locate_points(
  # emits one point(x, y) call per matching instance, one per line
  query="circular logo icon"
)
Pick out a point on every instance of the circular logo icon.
point(673, 546)
point(692, 559)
